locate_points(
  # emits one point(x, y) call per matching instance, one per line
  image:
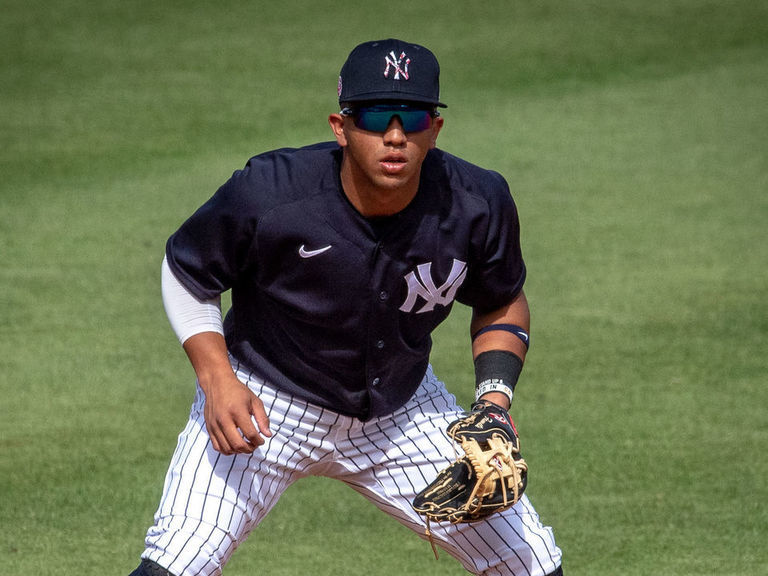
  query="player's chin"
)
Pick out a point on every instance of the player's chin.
point(395, 179)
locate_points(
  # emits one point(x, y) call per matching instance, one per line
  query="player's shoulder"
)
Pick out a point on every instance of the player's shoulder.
point(280, 176)
point(312, 152)
point(464, 177)
point(292, 166)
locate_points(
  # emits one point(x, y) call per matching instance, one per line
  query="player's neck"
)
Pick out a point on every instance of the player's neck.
point(375, 201)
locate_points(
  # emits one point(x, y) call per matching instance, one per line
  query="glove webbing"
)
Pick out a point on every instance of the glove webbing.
point(501, 450)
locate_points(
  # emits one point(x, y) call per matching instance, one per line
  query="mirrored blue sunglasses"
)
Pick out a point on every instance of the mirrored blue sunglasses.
point(376, 118)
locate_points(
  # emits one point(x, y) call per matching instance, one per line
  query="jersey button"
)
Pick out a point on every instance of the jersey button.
point(383, 295)
point(376, 381)
point(380, 344)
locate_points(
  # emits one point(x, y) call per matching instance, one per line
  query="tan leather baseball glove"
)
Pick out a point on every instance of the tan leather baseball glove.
point(490, 477)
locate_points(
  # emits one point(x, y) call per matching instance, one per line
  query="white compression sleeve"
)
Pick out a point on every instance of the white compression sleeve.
point(187, 314)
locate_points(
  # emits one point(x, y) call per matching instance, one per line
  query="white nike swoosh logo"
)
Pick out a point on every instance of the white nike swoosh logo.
point(309, 253)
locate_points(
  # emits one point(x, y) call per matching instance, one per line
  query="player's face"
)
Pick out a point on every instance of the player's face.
point(384, 165)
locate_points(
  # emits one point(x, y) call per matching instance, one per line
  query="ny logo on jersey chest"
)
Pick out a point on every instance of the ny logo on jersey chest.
point(421, 285)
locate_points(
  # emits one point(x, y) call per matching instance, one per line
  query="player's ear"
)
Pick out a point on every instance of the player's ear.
point(437, 125)
point(337, 125)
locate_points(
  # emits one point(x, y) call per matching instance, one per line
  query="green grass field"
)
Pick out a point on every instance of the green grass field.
point(634, 136)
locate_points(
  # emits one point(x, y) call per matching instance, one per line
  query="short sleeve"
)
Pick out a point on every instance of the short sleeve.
point(497, 271)
point(207, 252)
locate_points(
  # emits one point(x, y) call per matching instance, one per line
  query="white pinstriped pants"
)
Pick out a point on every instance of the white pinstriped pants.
point(211, 502)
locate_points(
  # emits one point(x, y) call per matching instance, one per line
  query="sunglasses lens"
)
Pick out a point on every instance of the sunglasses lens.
point(377, 118)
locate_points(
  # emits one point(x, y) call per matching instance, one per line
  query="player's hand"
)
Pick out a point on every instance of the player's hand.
point(235, 417)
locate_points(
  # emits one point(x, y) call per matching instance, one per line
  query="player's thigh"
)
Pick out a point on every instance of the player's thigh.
point(212, 501)
point(391, 459)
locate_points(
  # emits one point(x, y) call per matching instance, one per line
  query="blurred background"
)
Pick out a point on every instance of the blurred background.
point(633, 137)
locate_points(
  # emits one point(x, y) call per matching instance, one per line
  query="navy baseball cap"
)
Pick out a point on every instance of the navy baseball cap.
point(390, 70)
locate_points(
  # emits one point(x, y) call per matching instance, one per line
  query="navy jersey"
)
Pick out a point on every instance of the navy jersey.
point(334, 307)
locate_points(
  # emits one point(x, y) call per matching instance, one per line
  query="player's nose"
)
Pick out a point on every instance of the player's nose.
point(394, 133)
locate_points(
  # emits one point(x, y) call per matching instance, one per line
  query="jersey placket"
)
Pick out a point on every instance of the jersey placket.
point(378, 331)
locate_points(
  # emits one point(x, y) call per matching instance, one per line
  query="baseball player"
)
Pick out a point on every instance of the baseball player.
point(342, 258)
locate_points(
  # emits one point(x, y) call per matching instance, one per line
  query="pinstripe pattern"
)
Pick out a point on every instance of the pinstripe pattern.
point(211, 502)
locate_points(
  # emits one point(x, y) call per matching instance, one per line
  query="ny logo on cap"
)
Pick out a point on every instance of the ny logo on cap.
point(394, 62)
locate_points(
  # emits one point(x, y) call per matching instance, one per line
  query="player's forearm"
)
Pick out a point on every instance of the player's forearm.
point(499, 346)
point(207, 352)
point(516, 313)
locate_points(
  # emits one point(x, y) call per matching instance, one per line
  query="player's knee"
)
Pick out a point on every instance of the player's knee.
point(149, 568)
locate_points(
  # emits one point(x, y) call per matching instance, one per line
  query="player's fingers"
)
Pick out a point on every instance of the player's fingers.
point(250, 438)
point(231, 441)
point(218, 440)
point(230, 424)
point(260, 416)
point(212, 427)
point(225, 435)
point(240, 434)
